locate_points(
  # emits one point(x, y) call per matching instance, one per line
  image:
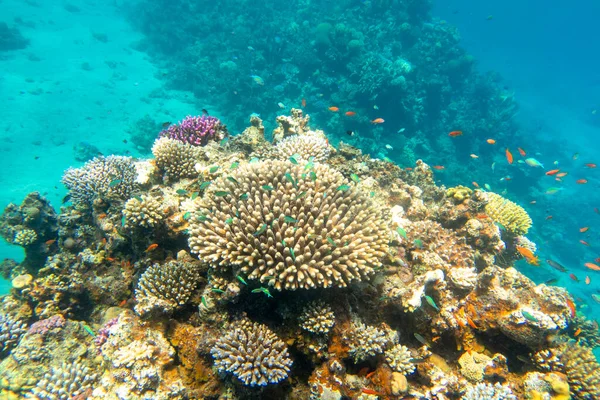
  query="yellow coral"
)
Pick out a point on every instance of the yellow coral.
point(459, 193)
point(508, 214)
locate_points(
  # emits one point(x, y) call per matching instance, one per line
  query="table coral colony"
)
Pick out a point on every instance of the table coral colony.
point(283, 269)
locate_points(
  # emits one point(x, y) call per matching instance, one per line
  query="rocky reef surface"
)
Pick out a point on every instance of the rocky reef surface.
point(235, 267)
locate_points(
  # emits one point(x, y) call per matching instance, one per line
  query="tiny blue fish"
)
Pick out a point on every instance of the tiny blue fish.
point(217, 290)
point(234, 165)
point(290, 219)
point(529, 316)
point(260, 230)
point(214, 169)
point(220, 193)
point(343, 188)
point(194, 195)
point(243, 196)
point(293, 159)
point(300, 195)
point(181, 192)
point(232, 179)
point(267, 187)
point(431, 302)
point(254, 159)
point(138, 198)
point(229, 221)
point(418, 243)
point(204, 302)
point(241, 280)
point(292, 254)
point(330, 240)
point(355, 178)
point(187, 215)
point(204, 185)
point(401, 232)
point(114, 182)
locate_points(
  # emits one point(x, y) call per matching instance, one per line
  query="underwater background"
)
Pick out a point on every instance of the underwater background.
point(86, 78)
point(498, 98)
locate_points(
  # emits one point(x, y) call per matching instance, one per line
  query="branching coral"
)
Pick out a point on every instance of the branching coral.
point(197, 131)
point(25, 237)
point(399, 359)
point(317, 317)
point(508, 214)
point(366, 341)
point(305, 146)
point(11, 330)
point(64, 382)
point(166, 287)
point(289, 227)
point(109, 178)
point(175, 158)
point(142, 211)
point(253, 354)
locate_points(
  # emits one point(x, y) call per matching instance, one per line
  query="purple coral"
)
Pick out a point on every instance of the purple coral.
point(43, 326)
point(104, 332)
point(197, 131)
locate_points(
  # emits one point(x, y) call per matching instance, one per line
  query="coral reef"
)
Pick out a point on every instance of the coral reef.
point(508, 214)
point(288, 228)
point(196, 130)
point(253, 354)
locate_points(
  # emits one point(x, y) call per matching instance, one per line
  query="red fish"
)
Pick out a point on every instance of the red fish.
point(151, 247)
point(553, 172)
point(584, 229)
point(571, 306)
point(581, 181)
point(378, 121)
point(592, 266)
point(303, 103)
point(587, 280)
point(572, 276)
point(590, 165)
point(455, 133)
point(350, 113)
point(491, 141)
point(439, 167)
point(549, 217)
point(509, 156)
point(583, 242)
point(334, 109)
point(521, 152)
point(597, 259)
point(475, 184)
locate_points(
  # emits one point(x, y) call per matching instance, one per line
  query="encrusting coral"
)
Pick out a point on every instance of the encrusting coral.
point(253, 354)
point(289, 226)
point(508, 214)
point(164, 287)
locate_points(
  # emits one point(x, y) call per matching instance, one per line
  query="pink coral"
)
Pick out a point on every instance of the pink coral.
point(197, 131)
point(43, 326)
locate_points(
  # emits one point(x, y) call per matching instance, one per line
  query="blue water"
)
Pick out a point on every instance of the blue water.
point(89, 75)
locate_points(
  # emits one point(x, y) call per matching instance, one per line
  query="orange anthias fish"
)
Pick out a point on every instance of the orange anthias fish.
point(334, 109)
point(350, 113)
point(584, 229)
point(583, 242)
point(378, 121)
point(455, 133)
point(591, 165)
point(151, 247)
point(562, 174)
point(529, 256)
point(303, 103)
point(592, 266)
point(439, 167)
point(509, 156)
point(553, 172)
point(521, 152)
point(491, 141)
point(571, 306)
point(587, 280)
point(573, 277)
point(581, 181)
point(475, 184)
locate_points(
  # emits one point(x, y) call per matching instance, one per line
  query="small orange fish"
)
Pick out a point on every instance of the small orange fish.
point(562, 174)
point(528, 254)
point(370, 391)
point(509, 156)
point(50, 242)
point(590, 165)
point(471, 323)
point(573, 277)
point(587, 280)
point(592, 266)
point(303, 103)
point(455, 133)
point(439, 167)
point(584, 229)
point(571, 306)
point(482, 216)
point(553, 172)
point(475, 184)
point(583, 242)
point(334, 109)
point(151, 247)
point(111, 259)
point(521, 152)
point(350, 113)
point(408, 169)
point(123, 303)
point(549, 217)
point(581, 181)
point(491, 141)
point(577, 332)
point(378, 121)
point(102, 216)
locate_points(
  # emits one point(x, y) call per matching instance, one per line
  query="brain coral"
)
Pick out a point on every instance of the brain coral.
point(109, 178)
point(253, 354)
point(508, 214)
point(304, 146)
point(289, 227)
point(166, 287)
point(175, 158)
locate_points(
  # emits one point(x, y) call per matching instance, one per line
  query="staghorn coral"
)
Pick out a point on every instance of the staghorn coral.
point(142, 211)
point(253, 354)
point(317, 317)
point(399, 359)
point(582, 370)
point(108, 178)
point(366, 341)
point(176, 159)
point(304, 147)
point(68, 381)
point(166, 287)
point(291, 229)
point(25, 237)
point(196, 131)
point(487, 391)
point(11, 330)
point(508, 214)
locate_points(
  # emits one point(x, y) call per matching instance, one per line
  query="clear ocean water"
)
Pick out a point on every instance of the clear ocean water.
point(81, 78)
